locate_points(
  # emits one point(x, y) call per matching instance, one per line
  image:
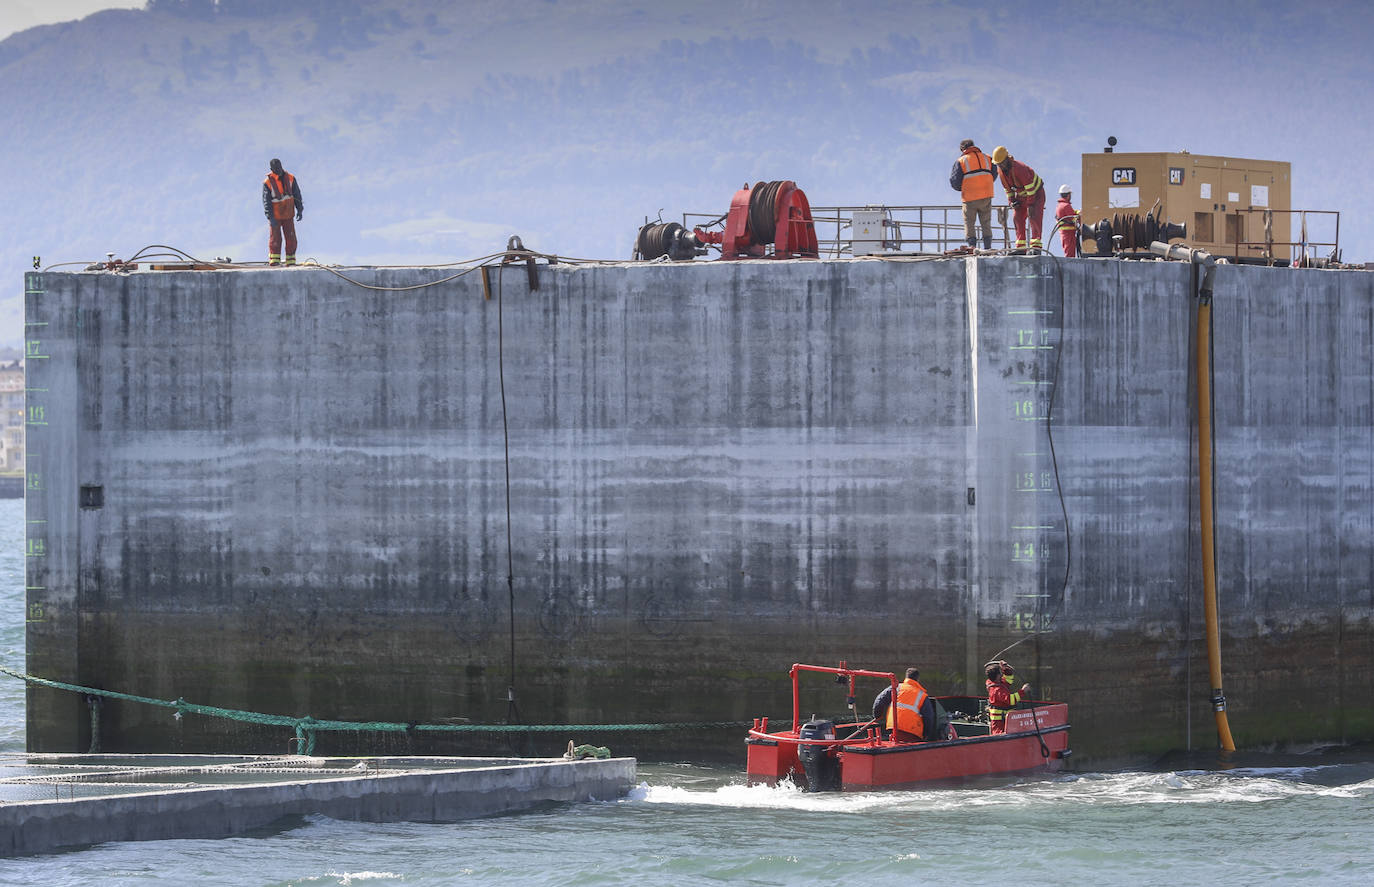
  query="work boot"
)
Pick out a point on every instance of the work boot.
point(972, 242)
point(987, 242)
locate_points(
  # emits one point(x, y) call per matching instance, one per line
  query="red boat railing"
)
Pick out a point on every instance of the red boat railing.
point(843, 671)
point(760, 731)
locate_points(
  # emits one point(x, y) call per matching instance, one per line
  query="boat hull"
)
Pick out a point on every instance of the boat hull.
point(1037, 741)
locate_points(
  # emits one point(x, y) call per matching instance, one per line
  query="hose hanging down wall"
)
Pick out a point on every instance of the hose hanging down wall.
point(1203, 370)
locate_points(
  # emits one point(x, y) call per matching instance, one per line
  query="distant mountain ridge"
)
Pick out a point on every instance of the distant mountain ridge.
point(429, 132)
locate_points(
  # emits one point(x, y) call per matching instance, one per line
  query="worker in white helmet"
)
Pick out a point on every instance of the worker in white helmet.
point(1066, 222)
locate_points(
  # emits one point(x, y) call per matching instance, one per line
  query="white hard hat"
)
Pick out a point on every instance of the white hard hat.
point(1065, 189)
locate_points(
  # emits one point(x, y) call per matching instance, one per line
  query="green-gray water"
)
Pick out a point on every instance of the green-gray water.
point(1309, 820)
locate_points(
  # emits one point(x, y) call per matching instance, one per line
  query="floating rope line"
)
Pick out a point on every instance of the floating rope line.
point(306, 727)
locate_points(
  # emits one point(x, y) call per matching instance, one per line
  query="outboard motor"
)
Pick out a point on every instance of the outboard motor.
point(822, 768)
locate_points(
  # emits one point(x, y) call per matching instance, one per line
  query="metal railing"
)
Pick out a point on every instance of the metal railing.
point(905, 229)
point(1304, 247)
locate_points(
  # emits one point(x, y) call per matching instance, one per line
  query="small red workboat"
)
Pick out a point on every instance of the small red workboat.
point(849, 754)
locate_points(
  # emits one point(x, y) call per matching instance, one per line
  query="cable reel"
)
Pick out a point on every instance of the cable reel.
point(770, 214)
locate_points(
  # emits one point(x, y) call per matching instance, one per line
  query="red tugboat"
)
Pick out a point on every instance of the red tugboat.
point(851, 755)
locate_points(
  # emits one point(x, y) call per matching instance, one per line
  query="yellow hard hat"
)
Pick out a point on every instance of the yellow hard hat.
point(999, 154)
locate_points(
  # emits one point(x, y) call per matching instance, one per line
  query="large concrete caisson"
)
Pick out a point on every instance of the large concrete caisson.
point(285, 491)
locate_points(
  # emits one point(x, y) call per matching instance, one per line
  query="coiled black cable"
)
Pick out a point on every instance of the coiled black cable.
point(763, 216)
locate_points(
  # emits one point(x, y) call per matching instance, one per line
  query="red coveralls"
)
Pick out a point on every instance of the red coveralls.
point(1000, 701)
point(1026, 193)
point(1066, 223)
point(281, 197)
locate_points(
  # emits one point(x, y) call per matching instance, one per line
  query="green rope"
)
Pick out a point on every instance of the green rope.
point(306, 727)
point(578, 752)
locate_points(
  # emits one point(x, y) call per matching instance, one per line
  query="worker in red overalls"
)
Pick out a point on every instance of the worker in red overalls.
point(281, 200)
point(1025, 193)
point(1066, 222)
point(1001, 698)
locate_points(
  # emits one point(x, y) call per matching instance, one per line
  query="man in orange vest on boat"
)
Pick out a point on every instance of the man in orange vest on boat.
point(1025, 193)
point(281, 200)
point(911, 717)
point(1066, 222)
point(1001, 698)
point(972, 177)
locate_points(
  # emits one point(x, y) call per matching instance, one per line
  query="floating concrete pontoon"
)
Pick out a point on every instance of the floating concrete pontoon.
point(636, 493)
point(53, 801)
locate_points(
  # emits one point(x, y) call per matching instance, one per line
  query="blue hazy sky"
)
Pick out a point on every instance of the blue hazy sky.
point(426, 131)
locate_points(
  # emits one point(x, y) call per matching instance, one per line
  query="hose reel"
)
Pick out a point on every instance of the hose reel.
point(775, 214)
point(1136, 232)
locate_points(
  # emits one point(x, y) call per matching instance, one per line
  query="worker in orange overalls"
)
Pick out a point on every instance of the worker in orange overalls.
point(1066, 222)
point(281, 199)
point(1001, 698)
point(1025, 193)
point(911, 717)
point(972, 177)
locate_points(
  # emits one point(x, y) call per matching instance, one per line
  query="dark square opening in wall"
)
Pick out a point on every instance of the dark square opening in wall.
point(1202, 228)
point(92, 496)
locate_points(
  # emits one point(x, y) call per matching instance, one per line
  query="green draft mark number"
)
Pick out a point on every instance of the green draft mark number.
point(1029, 552)
point(1033, 338)
point(1030, 482)
point(1032, 622)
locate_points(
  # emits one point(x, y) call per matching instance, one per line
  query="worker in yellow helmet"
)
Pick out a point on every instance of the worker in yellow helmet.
point(1025, 193)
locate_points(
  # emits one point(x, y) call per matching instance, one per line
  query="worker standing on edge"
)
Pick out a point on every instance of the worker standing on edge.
point(281, 199)
point(972, 176)
point(1025, 193)
point(1066, 222)
point(1001, 698)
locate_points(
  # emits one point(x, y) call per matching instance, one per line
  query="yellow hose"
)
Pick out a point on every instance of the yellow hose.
point(1209, 568)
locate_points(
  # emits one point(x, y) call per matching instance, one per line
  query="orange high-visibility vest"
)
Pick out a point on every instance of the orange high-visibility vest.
point(978, 176)
point(281, 188)
point(907, 708)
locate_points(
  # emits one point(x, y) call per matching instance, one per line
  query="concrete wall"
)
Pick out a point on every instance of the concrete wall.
point(716, 469)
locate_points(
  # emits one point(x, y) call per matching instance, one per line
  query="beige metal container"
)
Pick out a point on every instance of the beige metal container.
point(1221, 199)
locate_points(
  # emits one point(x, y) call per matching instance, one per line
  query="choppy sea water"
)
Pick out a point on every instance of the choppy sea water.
point(1306, 822)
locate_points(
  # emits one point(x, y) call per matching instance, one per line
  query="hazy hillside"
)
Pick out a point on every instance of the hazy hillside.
point(429, 132)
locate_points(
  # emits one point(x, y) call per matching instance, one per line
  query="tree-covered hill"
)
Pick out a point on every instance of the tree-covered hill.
point(427, 131)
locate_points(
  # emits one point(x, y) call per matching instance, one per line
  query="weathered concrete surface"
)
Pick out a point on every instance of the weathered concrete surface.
point(716, 469)
point(470, 789)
